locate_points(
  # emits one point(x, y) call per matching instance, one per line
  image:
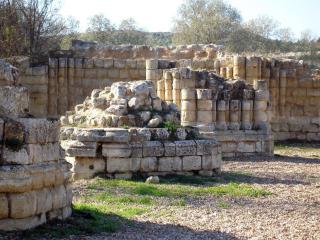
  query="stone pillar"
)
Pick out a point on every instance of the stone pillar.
point(204, 106)
point(168, 87)
point(78, 78)
point(221, 115)
point(52, 88)
point(229, 72)
point(71, 85)
point(188, 107)
point(247, 110)
point(223, 72)
point(216, 66)
point(260, 107)
point(62, 86)
point(161, 89)
point(176, 85)
point(282, 91)
point(235, 115)
point(152, 70)
point(253, 69)
point(239, 67)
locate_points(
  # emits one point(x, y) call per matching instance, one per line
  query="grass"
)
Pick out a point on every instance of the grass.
point(106, 205)
point(297, 149)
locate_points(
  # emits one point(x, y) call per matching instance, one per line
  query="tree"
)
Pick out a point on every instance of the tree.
point(100, 29)
point(205, 21)
point(263, 26)
point(129, 33)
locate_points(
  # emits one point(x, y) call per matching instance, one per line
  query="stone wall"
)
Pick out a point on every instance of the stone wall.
point(34, 184)
point(122, 153)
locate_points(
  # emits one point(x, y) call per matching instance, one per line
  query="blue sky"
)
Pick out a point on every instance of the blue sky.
point(157, 15)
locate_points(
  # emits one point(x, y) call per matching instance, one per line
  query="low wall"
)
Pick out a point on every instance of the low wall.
point(34, 181)
point(120, 153)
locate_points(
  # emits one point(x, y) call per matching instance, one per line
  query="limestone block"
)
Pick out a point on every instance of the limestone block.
point(115, 135)
point(22, 224)
point(186, 148)
point(153, 149)
point(44, 201)
point(188, 116)
point(160, 134)
point(169, 149)
point(136, 149)
point(169, 164)
point(205, 105)
point(191, 163)
point(113, 74)
point(210, 162)
point(69, 194)
point(4, 206)
point(108, 63)
point(246, 147)
point(204, 116)
point(228, 147)
point(22, 205)
point(40, 130)
point(118, 164)
point(119, 63)
point(82, 149)
point(207, 147)
point(14, 101)
point(188, 94)
point(59, 197)
point(14, 179)
point(89, 166)
point(204, 94)
point(187, 105)
point(116, 150)
point(152, 64)
point(135, 164)
point(20, 156)
point(148, 164)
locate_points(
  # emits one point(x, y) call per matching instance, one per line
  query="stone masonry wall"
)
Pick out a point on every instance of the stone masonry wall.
point(34, 184)
point(121, 153)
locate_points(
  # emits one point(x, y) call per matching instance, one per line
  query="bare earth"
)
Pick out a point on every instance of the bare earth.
point(291, 212)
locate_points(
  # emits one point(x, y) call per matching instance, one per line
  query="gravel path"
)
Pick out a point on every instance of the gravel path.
point(291, 212)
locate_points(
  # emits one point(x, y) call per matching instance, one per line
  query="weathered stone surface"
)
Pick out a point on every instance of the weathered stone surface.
point(14, 179)
point(191, 163)
point(22, 224)
point(14, 101)
point(87, 167)
point(136, 149)
point(4, 206)
point(153, 149)
point(59, 197)
point(81, 149)
point(186, 148)
point(116, 150)
point(169, 149)
point(44, 201)
point(118, 164)
point(210, 162)
point(206, 147)
point(148, 164)
point(170, 164)
point(23, 205)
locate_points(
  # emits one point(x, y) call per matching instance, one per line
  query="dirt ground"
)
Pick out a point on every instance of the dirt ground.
point(292, 211)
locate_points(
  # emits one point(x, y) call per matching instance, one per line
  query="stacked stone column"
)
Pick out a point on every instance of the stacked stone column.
point(152, 71)
point(168, 97)
point(239, 67)
point(204, 106)
point(261, 100)
point(221, 115)
point(235, 115)
point(188, 107)
point(247, 110)
point(176, 85)
point(282, 91)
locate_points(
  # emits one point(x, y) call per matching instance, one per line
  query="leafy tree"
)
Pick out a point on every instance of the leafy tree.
point(100, 29)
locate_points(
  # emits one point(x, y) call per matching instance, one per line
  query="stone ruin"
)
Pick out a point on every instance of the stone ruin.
point(150, 142)
point(34, 180)
point(131, 104)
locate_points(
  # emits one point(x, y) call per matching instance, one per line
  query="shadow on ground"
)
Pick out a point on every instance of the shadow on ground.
point(92, 224)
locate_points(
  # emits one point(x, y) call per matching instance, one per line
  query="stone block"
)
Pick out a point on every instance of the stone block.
point(114, 135)
point(136, 149)
point(169, 164)
point(118, 165)
point(44, 201)
point(159, 134)
point(40, 130)
point(191, 163)
point(22, 224)
point(169, 149)
point(210, 162)
point(90, 166)
point(246, 147)
point(14, 101)
point(59, 197)
point(207, 147)
point(4, 206)
point(148, 164)
point(82, 149)
point(135, 164)
point(14, 179)
point(186, 148)
point(22, 205)
point(153, 149)
point(205, 105)
point(116, 150)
